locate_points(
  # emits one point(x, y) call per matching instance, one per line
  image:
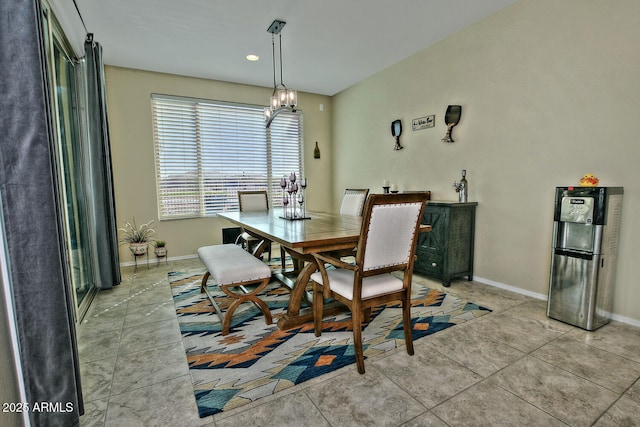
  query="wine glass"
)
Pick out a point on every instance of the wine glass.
point(301, 202)
point(285, 202)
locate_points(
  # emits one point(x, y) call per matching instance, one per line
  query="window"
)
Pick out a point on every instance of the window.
point(208, 150)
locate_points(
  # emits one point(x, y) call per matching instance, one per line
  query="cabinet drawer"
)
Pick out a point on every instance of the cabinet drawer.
point(430, 263)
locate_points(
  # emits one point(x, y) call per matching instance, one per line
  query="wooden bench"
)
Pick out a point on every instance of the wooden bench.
point(232, 267)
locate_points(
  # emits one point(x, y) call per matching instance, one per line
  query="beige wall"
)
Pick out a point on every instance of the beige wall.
point(549, 91)
point(129, 101)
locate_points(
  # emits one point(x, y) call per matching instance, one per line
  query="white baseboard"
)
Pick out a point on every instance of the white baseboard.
point(616, 317)
point(143, 261)
point(510, 288)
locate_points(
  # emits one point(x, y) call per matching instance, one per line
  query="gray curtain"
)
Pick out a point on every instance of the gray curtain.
point(32, 213)
point(99, 172)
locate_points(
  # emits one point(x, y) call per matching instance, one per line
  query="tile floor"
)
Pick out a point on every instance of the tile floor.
point(513, 367)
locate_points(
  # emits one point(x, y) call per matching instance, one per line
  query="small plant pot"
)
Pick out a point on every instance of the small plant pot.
point(161, 252)
point(138, 249)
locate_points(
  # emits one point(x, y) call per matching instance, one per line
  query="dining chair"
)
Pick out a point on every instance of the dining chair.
point(387, 244)
point(353, 201)
point(254, 201)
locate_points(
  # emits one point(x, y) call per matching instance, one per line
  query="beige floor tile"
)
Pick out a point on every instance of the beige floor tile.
point(563, 395)
point(95, 412)
point(634, 391)
point(428, 375)
point(485, 295)
point(524, 334)
point(426, 419)
point(491, 370)
point(615, 337)
point(140, 369)
point(97, 346)
point(168, 403)
point(601, 367)
point(625, 412)
point(291, 410)
point(97, 377)
point(364, 400)
point(486, 404)
point(138, 315)
point(149, 335)
point(475, 351)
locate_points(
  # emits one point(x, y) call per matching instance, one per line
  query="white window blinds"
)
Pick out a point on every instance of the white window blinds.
point(207, 150)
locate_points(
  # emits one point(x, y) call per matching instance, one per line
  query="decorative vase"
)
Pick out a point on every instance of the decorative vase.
point(138, 248)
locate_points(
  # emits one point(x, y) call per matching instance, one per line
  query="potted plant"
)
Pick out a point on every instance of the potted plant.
point(161, 248)
point(137, 236)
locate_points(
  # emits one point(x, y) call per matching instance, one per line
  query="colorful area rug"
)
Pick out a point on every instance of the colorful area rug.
point(256, 360)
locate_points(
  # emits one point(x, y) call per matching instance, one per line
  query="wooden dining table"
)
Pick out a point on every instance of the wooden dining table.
point(322, 232)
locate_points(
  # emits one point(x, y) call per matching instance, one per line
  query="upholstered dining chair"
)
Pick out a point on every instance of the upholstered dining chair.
point(387, 244)
point(254, 201)
point(353, 201)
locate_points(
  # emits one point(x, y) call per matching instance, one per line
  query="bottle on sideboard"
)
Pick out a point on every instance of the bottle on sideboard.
point(463, 188)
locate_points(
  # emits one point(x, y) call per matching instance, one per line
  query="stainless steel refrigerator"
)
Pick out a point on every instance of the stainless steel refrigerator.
point(585, 238)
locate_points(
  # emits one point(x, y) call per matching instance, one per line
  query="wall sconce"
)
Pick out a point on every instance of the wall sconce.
point(451, 118)
point(396, 130)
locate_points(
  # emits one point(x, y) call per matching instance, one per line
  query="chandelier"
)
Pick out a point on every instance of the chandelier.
point(282, 98)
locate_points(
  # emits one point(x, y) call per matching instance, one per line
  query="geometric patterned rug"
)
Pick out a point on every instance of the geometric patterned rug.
point(256, 360)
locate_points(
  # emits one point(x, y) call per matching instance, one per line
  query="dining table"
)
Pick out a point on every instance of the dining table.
point(301, 238)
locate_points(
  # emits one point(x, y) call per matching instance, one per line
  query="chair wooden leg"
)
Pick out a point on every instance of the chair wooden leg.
point(367, 314)
point(239, 298)
point(357, 339)
point(253, 296)
point(204, 281)
point(228, 315)
point(318, 302)
point(406, 320)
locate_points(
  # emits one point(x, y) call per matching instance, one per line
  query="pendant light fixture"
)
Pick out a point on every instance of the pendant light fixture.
point(282, 98)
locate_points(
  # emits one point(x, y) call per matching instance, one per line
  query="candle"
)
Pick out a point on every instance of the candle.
point(385, 183)
point(394, 187)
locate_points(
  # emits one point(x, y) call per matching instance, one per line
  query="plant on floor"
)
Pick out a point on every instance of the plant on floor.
point(137, 236)
point(161, 248)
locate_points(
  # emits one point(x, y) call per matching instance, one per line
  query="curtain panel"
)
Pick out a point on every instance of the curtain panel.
point(33, 226)
point(99, 172)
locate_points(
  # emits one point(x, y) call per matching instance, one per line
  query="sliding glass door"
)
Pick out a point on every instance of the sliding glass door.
point(68, 91)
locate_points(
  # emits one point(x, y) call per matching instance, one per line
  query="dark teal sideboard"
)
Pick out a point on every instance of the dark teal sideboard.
point(446, 252)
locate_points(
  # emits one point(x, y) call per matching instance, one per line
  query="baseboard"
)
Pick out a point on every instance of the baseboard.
point(153, 261)
point(510, 288)
point(616, 317)
point(624, 319)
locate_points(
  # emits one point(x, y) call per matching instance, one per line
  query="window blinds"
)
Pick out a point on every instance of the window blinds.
point(205, 151)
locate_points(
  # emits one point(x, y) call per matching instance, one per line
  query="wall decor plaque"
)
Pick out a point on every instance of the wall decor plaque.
point(423, 122)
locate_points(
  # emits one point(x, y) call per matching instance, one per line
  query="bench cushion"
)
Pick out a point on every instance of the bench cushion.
point(231, 264)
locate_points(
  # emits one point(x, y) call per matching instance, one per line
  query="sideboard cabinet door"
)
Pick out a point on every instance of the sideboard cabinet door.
point(446, 252)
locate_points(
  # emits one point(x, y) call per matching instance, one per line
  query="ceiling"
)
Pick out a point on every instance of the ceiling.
point(328, 45)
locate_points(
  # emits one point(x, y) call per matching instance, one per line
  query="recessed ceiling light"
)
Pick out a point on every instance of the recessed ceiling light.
point(252, 57)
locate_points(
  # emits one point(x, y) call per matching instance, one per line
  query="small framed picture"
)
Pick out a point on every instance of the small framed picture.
point(423, 122)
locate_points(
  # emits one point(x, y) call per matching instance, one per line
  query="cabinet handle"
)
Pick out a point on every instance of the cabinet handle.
point(433, 264)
